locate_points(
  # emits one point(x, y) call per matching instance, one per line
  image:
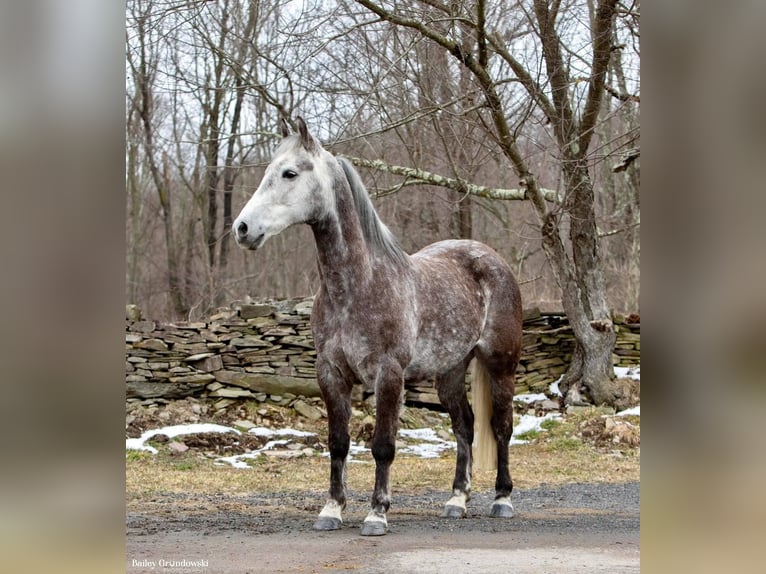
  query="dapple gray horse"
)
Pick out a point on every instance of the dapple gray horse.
point(383, 318)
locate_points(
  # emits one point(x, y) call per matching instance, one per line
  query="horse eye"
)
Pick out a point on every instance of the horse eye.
point(289, 174)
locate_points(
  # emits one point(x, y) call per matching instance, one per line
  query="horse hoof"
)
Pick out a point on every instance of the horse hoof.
point(451, 511)
point(375, 528)
point(375, 524)
point(502, 509)
point(325, 523)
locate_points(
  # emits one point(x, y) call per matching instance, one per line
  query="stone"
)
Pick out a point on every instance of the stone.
point(231, 393)
point(249, 341)
point(548, 405)
point(278, 331)
point(221, 404)
point(304, 307)
point(179, 369)
point(261, 322)
point(158, 366)
point(152, 345)
point(298, 341)
point(270, 384)
point(200, 379)
point(283, 453)
point(264, 369)
point(132, 313)
point(251, 311)
point(309, 411)
point(198, 357)
point(154, 390)
point(544, 363)
point(177, 447)
point(209, 364)
point(143, 326)
point(243, 424)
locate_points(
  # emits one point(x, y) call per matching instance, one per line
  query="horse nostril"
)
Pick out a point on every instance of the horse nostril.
point(242, 229)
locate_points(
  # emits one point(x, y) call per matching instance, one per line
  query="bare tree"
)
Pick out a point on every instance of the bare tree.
point(143, 62)
point(568, 227)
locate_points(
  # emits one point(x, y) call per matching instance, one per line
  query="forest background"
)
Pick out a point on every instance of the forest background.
point(430, 99)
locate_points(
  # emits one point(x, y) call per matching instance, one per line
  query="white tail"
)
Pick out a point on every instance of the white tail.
point(484, 444)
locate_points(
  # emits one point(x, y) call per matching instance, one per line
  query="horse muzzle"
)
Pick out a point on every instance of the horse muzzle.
point(245, 237)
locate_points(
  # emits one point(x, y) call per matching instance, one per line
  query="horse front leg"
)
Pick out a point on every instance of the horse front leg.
point(336, 392)
point(388, 400)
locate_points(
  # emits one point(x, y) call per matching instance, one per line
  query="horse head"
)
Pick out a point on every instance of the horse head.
point(296, 188)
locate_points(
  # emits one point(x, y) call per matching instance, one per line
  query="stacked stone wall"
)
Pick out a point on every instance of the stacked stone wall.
point(265, 352)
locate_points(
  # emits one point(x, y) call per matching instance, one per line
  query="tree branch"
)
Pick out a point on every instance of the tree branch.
point(456, 184)
point(602, 52)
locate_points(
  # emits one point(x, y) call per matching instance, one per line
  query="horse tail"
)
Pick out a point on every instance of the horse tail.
point(485, 445)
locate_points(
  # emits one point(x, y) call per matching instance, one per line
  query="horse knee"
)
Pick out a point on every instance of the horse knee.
point(383, 449)
point(339, 446)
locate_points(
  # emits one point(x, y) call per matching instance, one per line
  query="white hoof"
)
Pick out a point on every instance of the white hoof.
point(329, 518)
point(455, 507)
point(374, 525)
point(502, 508)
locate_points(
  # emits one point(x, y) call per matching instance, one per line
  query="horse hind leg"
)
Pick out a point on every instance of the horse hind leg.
point(498, 377)
point(452, 395)
point(502, 386)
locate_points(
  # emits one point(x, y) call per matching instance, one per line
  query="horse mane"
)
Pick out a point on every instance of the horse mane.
point(376, 234)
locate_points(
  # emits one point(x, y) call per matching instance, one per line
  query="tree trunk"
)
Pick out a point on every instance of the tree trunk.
point(229, 175)
point(591, 372)
point(144, 103)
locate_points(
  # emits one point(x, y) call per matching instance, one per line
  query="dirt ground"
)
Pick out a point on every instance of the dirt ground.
point(563, 529)
point(576, 500)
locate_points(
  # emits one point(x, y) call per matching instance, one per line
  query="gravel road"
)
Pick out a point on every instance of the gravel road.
point(590, 528)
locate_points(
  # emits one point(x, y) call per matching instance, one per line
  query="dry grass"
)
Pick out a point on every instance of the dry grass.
point(531, 465)
point(557, 455)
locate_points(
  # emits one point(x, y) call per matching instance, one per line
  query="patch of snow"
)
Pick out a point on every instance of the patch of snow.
point(429, 449)
point(420, 434)
point(530, 423)
point(554, 388)
point(530, 397)
point(174, 431)
point(432, 448)
point(264, 432)
point(633, 411)
point(238, 460)
point(628, 372)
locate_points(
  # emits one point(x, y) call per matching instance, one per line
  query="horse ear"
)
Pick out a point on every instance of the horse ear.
point(307, 140)
point(284, 127)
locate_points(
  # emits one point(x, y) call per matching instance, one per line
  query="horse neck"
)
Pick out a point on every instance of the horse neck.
point(345, 262)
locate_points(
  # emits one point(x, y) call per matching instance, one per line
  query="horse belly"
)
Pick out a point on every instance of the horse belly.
point(436, 356)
